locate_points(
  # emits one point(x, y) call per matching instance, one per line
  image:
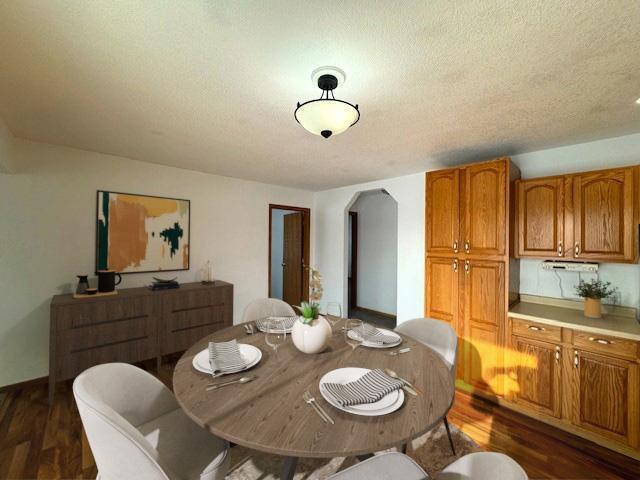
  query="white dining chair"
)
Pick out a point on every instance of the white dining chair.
point(474, 466)
point(136, 429)
point(267, 307)
point(442, 339)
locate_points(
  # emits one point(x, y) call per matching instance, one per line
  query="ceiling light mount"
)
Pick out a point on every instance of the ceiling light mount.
point(327, 116)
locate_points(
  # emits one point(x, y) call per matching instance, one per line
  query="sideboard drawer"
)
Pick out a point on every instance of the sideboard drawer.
point(597, 343)
point(539, 331)
point(91, 314)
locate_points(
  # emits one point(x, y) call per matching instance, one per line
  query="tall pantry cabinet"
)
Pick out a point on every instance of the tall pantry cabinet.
point(471, 276)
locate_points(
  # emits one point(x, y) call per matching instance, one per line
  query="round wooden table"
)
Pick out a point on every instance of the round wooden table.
point(269, 414)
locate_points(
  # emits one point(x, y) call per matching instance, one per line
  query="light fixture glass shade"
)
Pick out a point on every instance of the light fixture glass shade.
point(326, 117)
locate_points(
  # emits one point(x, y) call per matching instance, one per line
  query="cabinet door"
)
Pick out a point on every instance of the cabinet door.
point(442, 290)
point(484, 208)
point(606, 398)
point(538, 375)
point(443, 213)
point(541, 217)
point(604, 227)
point(484, 318)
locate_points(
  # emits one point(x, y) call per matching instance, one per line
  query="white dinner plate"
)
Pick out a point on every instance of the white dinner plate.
point(384, 331)
point(387, 404)
point(250, 354)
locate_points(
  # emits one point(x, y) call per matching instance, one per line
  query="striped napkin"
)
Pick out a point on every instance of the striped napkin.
point(225, 357)
point(371, 334)
point(286, 322)
point(369, 388)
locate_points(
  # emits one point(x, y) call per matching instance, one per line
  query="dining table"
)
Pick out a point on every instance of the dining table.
point(270, 415)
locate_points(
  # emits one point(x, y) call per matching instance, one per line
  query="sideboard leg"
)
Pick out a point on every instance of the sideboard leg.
point(52, 390)
point(289, 465)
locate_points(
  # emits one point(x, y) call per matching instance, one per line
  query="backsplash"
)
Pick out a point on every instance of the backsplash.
point(546, 283)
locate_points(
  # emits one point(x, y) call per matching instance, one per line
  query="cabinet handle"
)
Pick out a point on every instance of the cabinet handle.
point(576, 359)
point(560, 251)
point(455, 265)
point(576, 249)
point(466, 267)
point(536, 329)
point(601, 341)
point(558, 354)
point(467, 247)
point(455, 246)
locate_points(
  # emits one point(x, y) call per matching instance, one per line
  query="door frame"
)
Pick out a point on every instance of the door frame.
point(353, 298)
point(306, 245)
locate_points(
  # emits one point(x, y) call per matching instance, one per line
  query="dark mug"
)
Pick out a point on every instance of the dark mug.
point(107, 280)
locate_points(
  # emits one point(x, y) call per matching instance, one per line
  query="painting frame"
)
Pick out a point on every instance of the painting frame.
point(160, 270)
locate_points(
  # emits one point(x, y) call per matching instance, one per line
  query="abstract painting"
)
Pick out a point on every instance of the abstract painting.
point(139, 233)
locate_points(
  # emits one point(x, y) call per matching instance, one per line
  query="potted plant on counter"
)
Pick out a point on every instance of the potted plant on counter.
point(593, 292)
point(311, 333)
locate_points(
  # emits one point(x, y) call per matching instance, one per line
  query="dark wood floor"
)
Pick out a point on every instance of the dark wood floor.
point(373, 318)
point(38, 442)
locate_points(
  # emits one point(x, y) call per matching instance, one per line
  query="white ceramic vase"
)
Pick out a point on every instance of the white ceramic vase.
point(313, 337)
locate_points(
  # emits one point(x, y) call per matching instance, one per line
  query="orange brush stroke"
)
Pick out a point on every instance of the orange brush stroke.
point(127, 235)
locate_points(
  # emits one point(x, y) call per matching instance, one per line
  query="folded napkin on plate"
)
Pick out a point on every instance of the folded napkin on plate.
point(286, 322)
point(369, 388)
point(225, 357)
point(372, 335)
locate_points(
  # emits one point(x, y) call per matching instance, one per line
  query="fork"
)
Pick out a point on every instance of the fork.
point(399, 352)
point(306, 396)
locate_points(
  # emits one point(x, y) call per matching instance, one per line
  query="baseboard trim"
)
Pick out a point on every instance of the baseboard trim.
point(27, 383)
point(376, 312)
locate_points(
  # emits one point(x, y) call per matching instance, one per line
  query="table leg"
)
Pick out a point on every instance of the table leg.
point(288, 468)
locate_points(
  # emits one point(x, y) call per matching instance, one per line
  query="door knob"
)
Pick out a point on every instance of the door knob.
point(284, 264)
point(560, 250)
point(576, 249)
point(466, 267)
point(455, 246)
point(455, 265)
point(467, 247)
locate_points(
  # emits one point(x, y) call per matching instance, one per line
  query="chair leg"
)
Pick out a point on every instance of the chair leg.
point(446, 425)
point(404, 449)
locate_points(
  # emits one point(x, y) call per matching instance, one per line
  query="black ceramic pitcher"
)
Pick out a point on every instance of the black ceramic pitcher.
point(107, 280)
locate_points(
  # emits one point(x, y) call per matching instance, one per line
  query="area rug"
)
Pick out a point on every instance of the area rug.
point(431, 451)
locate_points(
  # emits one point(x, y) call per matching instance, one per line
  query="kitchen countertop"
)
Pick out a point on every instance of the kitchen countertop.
point(569, 314)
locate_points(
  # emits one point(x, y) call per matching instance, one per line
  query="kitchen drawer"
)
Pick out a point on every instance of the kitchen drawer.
point(535, 330)
point(596, 343)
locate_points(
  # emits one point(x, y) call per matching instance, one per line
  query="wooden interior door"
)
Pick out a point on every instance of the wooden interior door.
point(541, 217)
point(292, 265)
point(538, 375)
point(606, 397)
point(484, 207)
point(604, 218)
point(484, 318)
point(443, 211)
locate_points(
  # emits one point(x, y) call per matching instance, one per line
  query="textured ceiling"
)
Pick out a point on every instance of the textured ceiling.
point(212, 85)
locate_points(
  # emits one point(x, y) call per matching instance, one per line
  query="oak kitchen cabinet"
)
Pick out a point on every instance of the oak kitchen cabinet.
point(584, 382)
point(467, 264)
point(586, 216)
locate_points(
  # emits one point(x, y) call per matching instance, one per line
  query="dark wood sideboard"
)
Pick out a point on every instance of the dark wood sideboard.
point(137, 324)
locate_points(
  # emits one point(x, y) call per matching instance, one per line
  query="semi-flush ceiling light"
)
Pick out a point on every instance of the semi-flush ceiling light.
point(327, 116)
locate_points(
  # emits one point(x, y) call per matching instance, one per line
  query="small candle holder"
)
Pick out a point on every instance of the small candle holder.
point(207, 273)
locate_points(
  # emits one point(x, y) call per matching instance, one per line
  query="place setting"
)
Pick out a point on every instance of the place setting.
point(226, 358)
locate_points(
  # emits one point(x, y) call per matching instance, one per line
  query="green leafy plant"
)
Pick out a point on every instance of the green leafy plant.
point(309, 311)
point(595, 289)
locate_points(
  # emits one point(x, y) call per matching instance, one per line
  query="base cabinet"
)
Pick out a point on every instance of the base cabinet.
point(584, 383)
point(606, 399)
point(538, 376)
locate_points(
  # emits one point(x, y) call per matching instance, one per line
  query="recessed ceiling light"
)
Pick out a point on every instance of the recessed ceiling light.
point(638, 101)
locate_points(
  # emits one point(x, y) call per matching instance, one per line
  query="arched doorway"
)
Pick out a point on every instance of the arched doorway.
point(372, 257)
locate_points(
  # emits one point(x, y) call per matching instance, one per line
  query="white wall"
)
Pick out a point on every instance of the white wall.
point(6, 142)
point(277, 250)
point(331, 241)
point(377, 251)
point(607, 153)
point(47, 210)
